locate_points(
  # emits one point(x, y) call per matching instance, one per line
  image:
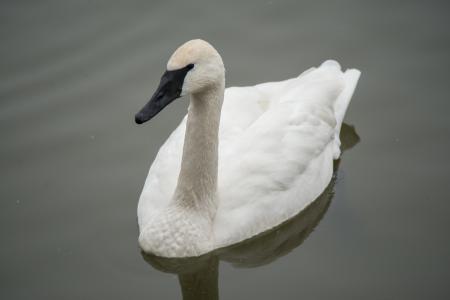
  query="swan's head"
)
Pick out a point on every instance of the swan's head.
point(194, 67)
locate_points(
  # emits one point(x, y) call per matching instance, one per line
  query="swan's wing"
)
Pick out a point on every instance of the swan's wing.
point(244, 105)
point(283, 160)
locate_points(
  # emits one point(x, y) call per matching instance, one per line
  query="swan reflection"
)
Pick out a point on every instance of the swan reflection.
point(198, 276)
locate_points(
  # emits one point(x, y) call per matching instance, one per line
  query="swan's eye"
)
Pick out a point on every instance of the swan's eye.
point(190, 66)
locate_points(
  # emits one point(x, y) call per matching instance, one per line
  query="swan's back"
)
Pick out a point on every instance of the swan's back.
point(277, 144)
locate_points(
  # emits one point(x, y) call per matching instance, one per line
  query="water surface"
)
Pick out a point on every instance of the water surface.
point(73, 73)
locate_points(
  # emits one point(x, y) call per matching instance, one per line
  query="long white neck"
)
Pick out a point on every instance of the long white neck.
point(197, 182)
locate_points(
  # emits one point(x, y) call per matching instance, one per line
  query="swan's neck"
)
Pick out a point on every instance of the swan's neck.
point(197, 181)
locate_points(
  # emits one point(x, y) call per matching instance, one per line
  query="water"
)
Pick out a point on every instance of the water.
point(73, 74)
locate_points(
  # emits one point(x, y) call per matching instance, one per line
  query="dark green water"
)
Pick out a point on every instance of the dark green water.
point(72, 75)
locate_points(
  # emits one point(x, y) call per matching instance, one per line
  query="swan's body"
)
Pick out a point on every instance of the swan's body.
point(275, 156)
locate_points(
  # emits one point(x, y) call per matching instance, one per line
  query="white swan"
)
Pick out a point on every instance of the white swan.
point(277, 145)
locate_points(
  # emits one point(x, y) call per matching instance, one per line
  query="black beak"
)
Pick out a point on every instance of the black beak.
point(168, 90)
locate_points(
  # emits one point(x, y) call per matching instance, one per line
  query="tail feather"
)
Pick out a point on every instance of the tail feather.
point(351, 77)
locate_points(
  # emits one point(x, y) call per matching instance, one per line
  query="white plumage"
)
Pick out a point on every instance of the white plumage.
point(277, 142)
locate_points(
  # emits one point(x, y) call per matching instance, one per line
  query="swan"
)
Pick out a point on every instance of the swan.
point(244, 159)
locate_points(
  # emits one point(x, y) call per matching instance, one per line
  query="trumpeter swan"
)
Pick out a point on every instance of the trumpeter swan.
point(244, 159)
